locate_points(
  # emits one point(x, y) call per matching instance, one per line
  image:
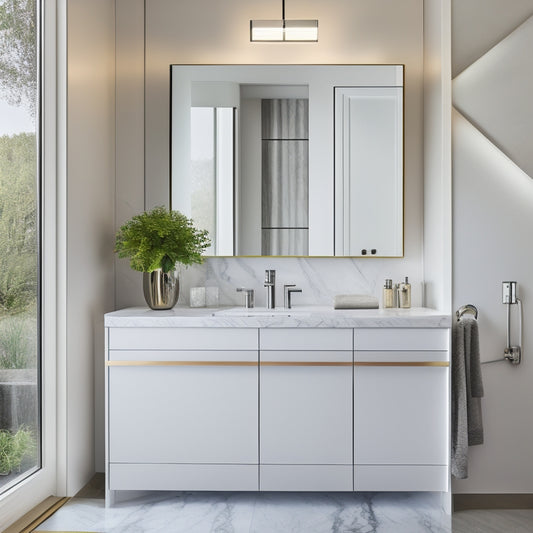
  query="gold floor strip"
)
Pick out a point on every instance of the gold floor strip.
point(37, 516)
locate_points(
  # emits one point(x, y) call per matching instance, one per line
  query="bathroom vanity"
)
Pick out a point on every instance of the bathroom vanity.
point(309, 399)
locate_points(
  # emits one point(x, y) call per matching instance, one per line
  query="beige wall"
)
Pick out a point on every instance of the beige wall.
point(177, 31)
point(90, 224)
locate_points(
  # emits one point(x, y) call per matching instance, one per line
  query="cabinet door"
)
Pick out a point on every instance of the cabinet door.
point(400, 425)
point(183, 414)
point(306, 422)
point(369, 171)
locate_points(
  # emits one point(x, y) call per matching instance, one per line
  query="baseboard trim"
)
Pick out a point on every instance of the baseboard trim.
point(94, 489)
point(37, 515)
point(463, 502)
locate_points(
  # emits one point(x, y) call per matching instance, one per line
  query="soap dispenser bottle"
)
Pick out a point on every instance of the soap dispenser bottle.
point(388, 294)
point(404, 294)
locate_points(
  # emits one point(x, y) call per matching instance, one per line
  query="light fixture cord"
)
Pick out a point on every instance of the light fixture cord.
point(283, 11)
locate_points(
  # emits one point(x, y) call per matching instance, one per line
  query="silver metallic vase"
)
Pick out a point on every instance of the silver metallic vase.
point(161, 290)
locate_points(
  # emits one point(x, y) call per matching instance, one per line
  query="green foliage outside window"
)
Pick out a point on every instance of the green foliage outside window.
point(18, 53)
point(14, 448)
point(18, 348)
point(18, 216)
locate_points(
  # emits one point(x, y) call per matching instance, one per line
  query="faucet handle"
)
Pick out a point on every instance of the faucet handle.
point(270, 276)
point(287, 291)
point(248, 297)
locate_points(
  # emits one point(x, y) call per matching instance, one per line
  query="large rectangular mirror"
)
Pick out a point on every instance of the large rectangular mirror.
point(290, 160)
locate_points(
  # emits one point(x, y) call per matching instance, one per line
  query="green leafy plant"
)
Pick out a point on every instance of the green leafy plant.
point(18, 348)
point(14, 447)
point(160, 239)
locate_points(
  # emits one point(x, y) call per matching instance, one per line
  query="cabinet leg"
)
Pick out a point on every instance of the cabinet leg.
point(109, 498)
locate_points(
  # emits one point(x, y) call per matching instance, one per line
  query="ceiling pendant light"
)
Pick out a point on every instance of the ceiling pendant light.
point(283, 30)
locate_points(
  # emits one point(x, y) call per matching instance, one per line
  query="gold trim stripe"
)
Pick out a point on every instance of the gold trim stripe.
point(181, 363)
point(303, 363)
point(402, 363)
point(278, 363)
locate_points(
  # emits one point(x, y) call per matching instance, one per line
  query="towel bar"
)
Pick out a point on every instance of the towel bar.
point(468, 308)
point(472, 309)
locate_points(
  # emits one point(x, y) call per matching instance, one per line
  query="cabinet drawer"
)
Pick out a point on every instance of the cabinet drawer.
point(405, 356)
point(160, 357)
point(182, 339)
point(400, 478)
point(183, 477)
point(334, 478)
point(401, 339)
point(306, 339)
point(306, 358)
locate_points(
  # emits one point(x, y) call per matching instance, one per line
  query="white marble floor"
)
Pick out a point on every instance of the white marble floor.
point(256, 513)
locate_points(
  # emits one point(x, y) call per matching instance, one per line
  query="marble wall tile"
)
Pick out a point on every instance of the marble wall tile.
point(319, 278)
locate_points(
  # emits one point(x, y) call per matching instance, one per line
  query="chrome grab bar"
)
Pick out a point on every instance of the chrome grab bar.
point(512, 354)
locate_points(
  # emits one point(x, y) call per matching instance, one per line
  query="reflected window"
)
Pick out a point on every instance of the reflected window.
point(285, 176)
point(212, 175)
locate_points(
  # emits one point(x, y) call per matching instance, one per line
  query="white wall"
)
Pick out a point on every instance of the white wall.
point(437, 154)
point(492, 219)
point(177, 31)
point(90, 224)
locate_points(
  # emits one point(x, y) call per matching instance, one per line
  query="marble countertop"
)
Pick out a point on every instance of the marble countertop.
point(298, 317)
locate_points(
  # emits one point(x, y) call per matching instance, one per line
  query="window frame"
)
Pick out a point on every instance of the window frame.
point(51, 131)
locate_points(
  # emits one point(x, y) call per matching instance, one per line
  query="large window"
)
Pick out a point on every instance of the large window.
point(20, 420)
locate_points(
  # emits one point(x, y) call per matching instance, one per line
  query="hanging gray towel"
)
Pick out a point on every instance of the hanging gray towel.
point(467, 391)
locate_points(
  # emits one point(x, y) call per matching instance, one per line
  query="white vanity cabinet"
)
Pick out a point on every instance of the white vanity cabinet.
point(306, 409)
point(401, 406)
point(312, 403)
point(182, 409)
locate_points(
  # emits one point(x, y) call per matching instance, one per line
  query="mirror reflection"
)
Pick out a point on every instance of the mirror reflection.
point(284, 176)
point(261, 158)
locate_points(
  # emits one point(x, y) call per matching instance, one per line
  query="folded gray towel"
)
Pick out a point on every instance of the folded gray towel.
point(467, 390)
point(355, 301)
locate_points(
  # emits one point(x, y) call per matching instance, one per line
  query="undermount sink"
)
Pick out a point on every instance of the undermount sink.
point(260, 312)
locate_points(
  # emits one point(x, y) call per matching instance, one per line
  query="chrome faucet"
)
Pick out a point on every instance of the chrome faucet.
point(248, 297)
point(287, 291)
point(270, 284)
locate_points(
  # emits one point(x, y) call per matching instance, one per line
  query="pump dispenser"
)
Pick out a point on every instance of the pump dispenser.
point(404, 294)
point(388, 294)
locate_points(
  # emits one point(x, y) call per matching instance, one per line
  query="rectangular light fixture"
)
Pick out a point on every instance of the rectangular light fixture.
point(284, 30)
